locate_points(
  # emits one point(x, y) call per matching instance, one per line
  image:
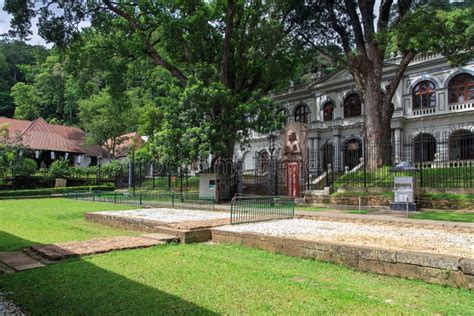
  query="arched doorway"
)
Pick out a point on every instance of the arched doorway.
point(461, 145)
point(352, 151)
point(424, 147)
point(327, 156)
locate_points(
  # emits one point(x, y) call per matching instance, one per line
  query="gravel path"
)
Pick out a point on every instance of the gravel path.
point(381, 236)
point(169, 215)
point(7, 308)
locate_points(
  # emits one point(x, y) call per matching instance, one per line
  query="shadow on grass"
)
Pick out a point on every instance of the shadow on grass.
point(10, 243)
point(77, 287)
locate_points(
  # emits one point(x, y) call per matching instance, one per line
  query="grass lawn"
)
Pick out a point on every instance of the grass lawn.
point(218, 279)
point(27, 222)
point(445, 216)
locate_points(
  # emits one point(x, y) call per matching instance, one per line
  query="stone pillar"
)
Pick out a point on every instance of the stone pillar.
point(397, 144)
point(316, 154)
point(337, 150)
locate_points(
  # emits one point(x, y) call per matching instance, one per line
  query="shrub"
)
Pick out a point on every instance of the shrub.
point(111, 170)
point(25, 167)
point(50, 191)
point(59, 168)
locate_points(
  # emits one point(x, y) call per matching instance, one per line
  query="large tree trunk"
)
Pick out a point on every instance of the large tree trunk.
point(377, 131)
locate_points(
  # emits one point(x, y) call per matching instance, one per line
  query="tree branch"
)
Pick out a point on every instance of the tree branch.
point(226, 54)
point(149, 47)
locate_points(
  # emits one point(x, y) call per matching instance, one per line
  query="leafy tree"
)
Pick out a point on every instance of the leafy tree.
point(105, 118)
point(10, 147)
point(215, 60)
point(49, 93)
point(367, 34)
point(13, 56)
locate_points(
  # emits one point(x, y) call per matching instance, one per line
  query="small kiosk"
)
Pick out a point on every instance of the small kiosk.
point(404, 187)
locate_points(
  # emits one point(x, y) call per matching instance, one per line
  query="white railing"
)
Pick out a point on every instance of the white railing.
point(417, 59)
point(339, 122)
point(291, 89)
point(426, 111)
point(445, 164)
point(460, 107)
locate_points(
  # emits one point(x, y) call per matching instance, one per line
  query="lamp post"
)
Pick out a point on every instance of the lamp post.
point(99, 162)
point(272, 137)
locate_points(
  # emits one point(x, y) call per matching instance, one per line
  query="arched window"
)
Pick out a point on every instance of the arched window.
point(461, 88)
point(424, 95)
point(352, 106)
point(328, 110)
point(461, 145)
point(302, 113)
point(282, 114)
point(425, 147)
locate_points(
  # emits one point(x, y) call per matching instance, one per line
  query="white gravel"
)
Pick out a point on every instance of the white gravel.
point(385, 236)
point(168, 215)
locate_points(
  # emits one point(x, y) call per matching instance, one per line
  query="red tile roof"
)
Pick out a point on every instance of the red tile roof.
point(38, 134)
point(125, 144)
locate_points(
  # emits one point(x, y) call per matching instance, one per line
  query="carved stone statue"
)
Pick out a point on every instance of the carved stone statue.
point(292, 145)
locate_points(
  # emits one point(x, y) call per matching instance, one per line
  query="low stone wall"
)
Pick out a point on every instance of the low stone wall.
point(432, 268)
point(199, 234)
point(373, 201)
point(349, 200)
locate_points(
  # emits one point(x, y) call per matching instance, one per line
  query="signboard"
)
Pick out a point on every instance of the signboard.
point(292, 179)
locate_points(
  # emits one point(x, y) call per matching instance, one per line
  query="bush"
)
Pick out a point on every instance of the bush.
point(51, 191)
point(111, 170)
point(59, 168)
point(25, 167)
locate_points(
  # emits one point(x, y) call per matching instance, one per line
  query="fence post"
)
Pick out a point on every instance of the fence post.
point(365, 163)
point(141, 200)
point(115, 197)
point(172, 199)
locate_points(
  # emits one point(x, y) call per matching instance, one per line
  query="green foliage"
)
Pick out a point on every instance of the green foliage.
point(25, 167)
point(59, 168)
point(10, 147)
point(111, 169)
point(50, 93)
point(14, 56)
point(13, 194)
point(199, 91)
point(105, 117)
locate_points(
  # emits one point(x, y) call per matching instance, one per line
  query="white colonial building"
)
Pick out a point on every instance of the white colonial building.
point(433, 118)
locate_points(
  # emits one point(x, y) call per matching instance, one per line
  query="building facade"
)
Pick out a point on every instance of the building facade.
point(433, 118)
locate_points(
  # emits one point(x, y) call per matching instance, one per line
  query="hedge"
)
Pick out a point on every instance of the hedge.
point(51, 191)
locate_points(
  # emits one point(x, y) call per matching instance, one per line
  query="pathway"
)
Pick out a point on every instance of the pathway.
point(42, 255)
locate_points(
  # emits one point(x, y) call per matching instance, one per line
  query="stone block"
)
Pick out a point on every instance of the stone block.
point(467, 265)
point(429, 260)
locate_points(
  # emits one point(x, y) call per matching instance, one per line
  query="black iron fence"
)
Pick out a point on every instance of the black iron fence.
point(179, 200)
point(249, 209)
point(153, 176)
point(443, 161)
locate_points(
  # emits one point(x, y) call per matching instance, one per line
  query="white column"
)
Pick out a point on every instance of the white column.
point(398, 144)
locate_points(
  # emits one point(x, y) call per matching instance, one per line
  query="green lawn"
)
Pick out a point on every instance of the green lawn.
point(221, 279)
point(445, 216)
point(27, 222)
